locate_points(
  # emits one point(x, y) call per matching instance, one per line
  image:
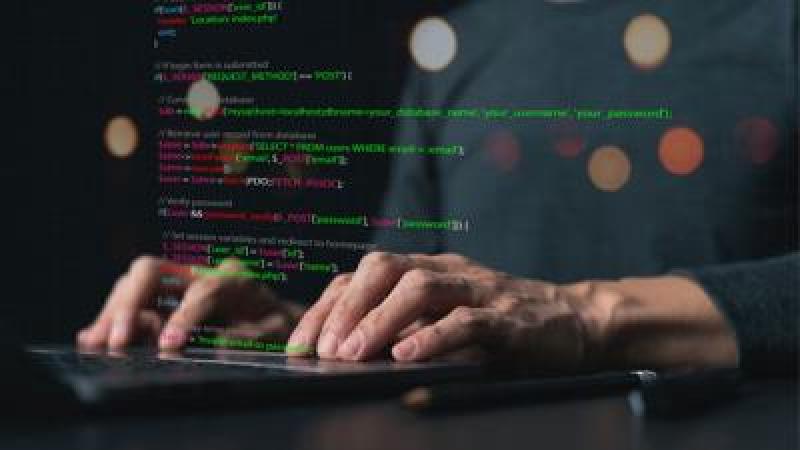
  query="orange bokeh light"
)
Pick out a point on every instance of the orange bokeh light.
point(681, 151)
point(121, 136)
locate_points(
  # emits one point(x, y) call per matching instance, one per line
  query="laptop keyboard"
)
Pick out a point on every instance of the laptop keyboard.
point(140, 365)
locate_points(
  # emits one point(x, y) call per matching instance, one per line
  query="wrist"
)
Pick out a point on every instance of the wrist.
point(664, 322)
point(595, 304)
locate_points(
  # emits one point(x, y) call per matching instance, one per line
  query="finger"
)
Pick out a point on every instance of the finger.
point(461, 328)
point(149, 323)
point(134, 290)
point(95, 335)
point(418, 293)
point(411, 329)
point(306, 333)
point(198, 303)
point(203, 296)
point(375, 277)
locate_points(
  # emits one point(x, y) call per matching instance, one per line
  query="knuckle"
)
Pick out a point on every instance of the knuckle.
point(456, 258)
point(507, 304)
point(583, 288)
point(419, 279)
point(464, 316)
point(602, 295)
point(373, 258)
point(342, 279)
point(572, 290)
point(551, 292)
point(436, 332)
point(342, 313)
point(382, 262)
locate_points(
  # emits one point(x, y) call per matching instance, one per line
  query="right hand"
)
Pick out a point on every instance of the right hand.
point(130, 314)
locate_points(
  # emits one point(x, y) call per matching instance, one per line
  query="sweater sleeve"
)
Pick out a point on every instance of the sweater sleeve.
point(760, 300)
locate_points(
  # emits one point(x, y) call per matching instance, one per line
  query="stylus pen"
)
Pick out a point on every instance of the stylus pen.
point(683, 393)
point(493, 394)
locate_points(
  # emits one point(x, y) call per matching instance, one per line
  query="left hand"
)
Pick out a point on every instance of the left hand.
point(429, 306)
point(239, 307)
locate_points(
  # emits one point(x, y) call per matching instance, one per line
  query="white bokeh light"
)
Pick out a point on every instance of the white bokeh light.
point(433, 44)
point(647, 41)
point(203, 99)
point(609, 168)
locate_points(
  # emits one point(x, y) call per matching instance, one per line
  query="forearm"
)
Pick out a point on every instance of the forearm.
point(665, 322)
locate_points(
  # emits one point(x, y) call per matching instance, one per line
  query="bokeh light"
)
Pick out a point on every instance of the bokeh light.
point(504, 150)
point(647, 41)
point(230, 149)
point(433, 44)
point(758, 138)
point(566, 139)
point(203, 100)
point(121, 136)
point(681, 151)
point(609, 168)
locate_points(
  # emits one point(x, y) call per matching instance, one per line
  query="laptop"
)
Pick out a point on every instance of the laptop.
point(135, 380)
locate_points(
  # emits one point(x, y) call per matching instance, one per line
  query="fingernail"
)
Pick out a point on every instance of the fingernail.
point(327, 345)
point(119, 332)
point(172, 337)
point(297, 344)
point(405, 350)
point(352, 346)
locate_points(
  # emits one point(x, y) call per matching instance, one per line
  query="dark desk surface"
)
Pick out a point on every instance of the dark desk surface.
point(766, 418)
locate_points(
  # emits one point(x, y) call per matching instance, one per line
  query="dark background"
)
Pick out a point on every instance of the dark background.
point(75, 215)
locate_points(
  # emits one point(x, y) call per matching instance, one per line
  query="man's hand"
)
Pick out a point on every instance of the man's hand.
point(246, 308)
point(428, 306)
point(435, 305)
